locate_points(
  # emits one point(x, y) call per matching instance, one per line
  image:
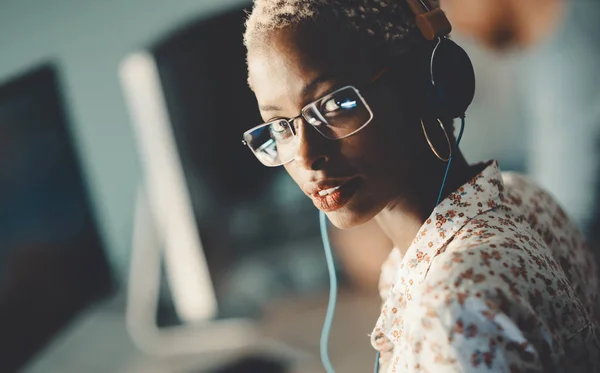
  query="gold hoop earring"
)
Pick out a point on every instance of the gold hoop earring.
point(431, 145)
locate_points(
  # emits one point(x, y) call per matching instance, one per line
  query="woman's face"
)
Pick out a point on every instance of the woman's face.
point(370, 169)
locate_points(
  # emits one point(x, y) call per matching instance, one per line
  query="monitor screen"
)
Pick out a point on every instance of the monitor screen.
point(52, 261)
point(259, 232)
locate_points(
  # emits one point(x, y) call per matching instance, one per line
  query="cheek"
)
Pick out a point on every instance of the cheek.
point(387, 154)
point(294, 173)
point(372, 151)
point(385, 141)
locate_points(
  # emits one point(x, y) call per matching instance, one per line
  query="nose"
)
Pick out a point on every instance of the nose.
point(312, 152)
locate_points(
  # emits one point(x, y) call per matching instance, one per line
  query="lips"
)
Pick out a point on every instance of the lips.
point(332, 195)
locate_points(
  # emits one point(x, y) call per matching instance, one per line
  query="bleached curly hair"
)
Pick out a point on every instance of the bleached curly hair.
point(386, 23)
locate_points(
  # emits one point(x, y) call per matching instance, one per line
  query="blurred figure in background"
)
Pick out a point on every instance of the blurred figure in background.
point(504, 24)
point(545, 54)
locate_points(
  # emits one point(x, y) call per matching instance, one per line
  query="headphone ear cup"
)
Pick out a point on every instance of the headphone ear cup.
point(453, 80)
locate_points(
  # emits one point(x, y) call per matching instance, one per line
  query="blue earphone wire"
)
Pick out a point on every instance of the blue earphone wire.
point(332, 295)
point(331, 268)
point(454, 150)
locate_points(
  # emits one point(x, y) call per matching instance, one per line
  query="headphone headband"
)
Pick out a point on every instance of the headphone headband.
point(451, 80)
point(431, 21)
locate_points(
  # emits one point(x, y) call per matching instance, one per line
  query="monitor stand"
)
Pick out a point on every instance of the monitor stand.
point(228, 336)
point(106, 339)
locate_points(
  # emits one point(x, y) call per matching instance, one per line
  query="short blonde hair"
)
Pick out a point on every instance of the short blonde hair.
point(389, 23)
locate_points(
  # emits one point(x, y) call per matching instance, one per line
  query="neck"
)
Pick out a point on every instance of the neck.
point(402, 219)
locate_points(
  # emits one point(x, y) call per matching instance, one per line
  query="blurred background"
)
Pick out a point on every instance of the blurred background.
point(78, 230)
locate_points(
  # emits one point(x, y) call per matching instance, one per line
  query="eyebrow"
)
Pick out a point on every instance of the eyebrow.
point(269, 108)
point(309, 88)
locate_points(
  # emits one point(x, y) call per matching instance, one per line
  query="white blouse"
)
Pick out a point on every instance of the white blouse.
point(498, 279)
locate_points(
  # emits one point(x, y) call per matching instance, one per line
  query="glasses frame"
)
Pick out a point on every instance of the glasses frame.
point(290, 121)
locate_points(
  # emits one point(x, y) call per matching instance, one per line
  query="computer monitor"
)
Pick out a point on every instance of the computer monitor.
point(52, 260)
point(236, 235)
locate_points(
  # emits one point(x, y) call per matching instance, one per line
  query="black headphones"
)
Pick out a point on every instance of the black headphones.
point(451, 79)
point(450, 85)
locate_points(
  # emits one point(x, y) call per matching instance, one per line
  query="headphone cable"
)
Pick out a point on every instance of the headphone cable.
point(325, 360)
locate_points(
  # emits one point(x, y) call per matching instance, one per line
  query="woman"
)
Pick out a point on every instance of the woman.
point(493, 278)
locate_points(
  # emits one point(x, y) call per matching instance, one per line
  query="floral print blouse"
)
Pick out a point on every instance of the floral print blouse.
point(498, 279)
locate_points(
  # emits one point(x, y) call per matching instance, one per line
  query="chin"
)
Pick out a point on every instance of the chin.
point(347, 219)
point(361, 208)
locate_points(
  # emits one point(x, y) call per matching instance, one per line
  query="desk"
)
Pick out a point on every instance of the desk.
point(97, 342)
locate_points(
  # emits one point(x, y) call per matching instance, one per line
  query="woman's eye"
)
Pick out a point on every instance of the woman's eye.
point(339, 104)
point(330, 106)
point(280, 130)
point(314, 121)
point(279, 126)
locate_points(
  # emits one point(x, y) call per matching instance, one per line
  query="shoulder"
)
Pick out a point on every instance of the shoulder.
point(524, 237)
point(474, 330)
point(523, 198)
point(497, 257)
point(498, 263)
point(519, 187)
point(543, 223)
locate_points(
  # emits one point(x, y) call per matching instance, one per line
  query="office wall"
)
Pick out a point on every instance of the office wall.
point(88, 39)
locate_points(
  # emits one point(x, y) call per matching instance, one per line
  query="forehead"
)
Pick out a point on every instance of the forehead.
point(282, 57)
point(283, 63)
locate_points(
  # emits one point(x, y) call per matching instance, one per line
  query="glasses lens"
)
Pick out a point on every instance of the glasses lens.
point(339, 114)
point(272, 143)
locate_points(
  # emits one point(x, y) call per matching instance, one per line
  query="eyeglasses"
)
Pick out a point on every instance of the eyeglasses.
point(337, 115)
